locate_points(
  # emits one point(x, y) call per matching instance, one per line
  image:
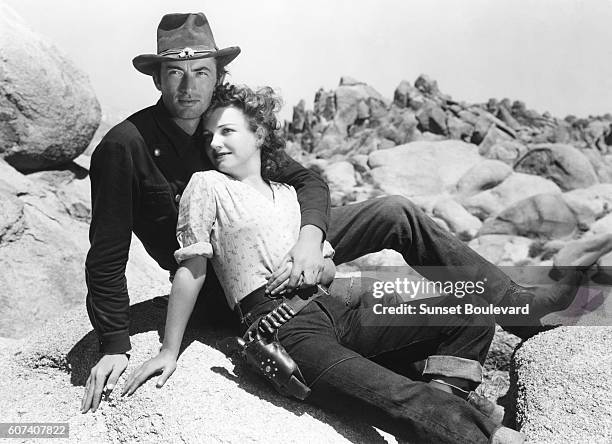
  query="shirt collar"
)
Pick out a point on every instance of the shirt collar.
point(178, 137)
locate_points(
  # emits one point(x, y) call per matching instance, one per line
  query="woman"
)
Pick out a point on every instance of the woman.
point(351, 358)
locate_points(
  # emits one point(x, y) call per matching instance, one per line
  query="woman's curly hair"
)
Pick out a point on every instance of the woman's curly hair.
point(260, 108)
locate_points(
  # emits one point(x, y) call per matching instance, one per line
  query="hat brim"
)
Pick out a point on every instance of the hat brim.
point(148, 63)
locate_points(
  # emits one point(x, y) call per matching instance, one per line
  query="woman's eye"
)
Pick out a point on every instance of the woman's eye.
point(225, 131)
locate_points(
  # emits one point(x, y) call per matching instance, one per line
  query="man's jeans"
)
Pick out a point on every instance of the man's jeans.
point(355, 362)
point(396, 223)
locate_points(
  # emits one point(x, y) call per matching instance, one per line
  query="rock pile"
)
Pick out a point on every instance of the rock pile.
point(516, 185)
point(485, 171)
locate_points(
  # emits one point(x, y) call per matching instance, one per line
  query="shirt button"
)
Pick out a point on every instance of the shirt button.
point(177, 198)
point(157, 152)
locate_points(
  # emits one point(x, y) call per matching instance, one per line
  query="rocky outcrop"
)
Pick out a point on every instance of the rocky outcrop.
point(563, 164)
point(483, 176)
point(43, 243)
point(340, 177)
point(590, 204)
point(542, 216)
point(208, 398)
point(457, 218)
point(422, 168)
point(48, 110)
point(503, 249)
point(356, 102)
point(564, 381)
point(516, 187)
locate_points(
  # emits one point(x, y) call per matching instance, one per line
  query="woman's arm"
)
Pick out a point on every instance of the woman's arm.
point(186, 286)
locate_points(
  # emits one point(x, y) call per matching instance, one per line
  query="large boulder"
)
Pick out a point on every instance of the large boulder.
point(43, 244)
point(493, 136)
point(422, 168)
point(393, 181)
point(401, 95)
point(563, 164)
point(341, 179)
point(507, 151)
point(340, 176)
point(564, 381)
point(460, 222)
point(48, 110)
point(503, 249)
point(516, 187)
point(432, 118)
point(590, 204)
point(602, 226)
point(542, 216)
point(601, 164)
point(355, 102)
point(458, 129)
point(331, 142)
point(483, 176)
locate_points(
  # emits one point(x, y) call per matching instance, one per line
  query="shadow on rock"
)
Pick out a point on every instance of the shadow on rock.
point(145, 316)
point(354, 428)
point(150, 316)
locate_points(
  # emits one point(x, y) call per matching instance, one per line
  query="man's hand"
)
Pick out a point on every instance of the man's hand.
point(302, 266)
point(329, 272)
point(164, 362)
point(103, 377)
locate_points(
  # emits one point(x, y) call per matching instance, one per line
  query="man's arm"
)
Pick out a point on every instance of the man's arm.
point(305, 257)
point(312, 193)
point(110, 233)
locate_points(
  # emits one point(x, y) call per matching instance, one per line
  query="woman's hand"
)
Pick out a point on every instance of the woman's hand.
point(164, 362)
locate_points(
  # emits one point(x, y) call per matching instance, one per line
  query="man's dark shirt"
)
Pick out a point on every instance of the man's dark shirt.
point(138, 172)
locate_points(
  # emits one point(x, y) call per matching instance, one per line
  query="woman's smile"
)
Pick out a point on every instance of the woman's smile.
point(232, 138)
point(217, 155)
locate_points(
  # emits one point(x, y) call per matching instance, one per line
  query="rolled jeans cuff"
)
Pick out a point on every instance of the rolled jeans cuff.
point(453, 367)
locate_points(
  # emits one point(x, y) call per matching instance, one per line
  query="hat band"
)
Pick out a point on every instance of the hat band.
point(186, 52)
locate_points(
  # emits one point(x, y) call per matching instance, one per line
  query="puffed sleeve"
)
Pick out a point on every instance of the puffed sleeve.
point(197, 215)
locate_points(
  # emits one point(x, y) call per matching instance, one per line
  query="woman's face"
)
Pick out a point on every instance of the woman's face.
point(234, 148)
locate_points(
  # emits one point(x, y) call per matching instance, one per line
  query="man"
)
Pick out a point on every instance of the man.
point(138, 173)
point(140, 168)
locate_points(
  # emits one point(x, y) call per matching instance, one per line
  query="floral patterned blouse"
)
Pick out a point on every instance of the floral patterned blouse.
point(243, 232)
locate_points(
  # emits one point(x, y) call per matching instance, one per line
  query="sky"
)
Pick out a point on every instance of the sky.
point(555, 55)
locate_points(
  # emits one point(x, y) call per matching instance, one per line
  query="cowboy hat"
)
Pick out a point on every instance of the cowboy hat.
point(184, 37)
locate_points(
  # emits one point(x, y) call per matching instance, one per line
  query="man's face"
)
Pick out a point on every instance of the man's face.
point(187, 86)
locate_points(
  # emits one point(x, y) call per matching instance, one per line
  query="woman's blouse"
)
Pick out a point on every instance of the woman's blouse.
point(243, 232)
